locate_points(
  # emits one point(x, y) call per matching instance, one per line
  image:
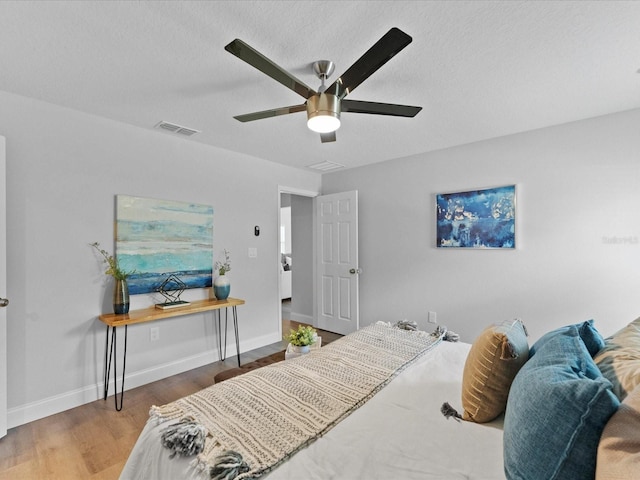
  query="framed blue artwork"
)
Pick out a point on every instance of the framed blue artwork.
point(477, 218)
point(161, 238)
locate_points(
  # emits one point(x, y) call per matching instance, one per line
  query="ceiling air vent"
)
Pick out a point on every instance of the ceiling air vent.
point(325, 166)
point(179, 129)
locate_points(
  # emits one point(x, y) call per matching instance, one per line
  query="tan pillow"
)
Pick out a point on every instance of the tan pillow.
point(619, 360)
point(493, 361)
point(619, 447)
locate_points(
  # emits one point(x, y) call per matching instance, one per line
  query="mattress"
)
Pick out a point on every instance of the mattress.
point(399, 433)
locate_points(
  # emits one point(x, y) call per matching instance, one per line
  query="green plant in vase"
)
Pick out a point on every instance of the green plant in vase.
point(121, 288)
point(221, 285)
point(302, 338)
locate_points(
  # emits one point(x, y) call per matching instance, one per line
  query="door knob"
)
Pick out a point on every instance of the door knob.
point(4, 302)
point(353, 271)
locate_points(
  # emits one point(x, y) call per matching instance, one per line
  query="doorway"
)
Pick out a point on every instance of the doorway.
point(323, 262)
point(296, 255)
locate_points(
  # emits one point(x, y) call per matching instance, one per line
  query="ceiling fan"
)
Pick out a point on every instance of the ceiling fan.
point(325, 105)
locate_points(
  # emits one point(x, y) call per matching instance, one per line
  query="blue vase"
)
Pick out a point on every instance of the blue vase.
point(221, 287)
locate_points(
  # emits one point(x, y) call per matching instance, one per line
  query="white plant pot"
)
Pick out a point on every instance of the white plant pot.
point(300, 349)
point(221, 287)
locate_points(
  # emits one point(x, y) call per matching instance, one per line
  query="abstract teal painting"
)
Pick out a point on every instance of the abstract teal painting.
point(477, 218)
point(159, 238)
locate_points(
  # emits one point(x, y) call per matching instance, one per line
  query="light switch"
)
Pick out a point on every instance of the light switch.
point(253, 252)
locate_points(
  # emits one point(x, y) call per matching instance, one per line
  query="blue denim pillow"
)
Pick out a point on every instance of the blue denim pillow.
point(557, 408)
point(588, 333)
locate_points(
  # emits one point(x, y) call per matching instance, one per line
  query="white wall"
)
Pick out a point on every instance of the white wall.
point(578, 231)
point(63, 170)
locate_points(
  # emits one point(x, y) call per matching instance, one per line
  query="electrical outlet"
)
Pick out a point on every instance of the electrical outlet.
point(432, 317)
point(154, 334)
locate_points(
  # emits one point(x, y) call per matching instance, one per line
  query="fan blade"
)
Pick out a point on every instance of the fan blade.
point(328, 137)
point(249, 117)
point(375, 108)
point(381, 52)
point(256, 59)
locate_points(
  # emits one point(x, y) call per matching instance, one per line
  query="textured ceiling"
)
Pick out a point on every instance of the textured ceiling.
point(479, 69)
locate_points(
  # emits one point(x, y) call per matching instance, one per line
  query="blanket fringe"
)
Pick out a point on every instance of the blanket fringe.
point(449, 412)
point(445, 334)
point(165, 413)
point(185, 438)
point(407, 325)
point(228, 466)
point(440, 331)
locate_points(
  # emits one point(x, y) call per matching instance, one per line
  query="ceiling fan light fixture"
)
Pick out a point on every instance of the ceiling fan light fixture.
point(324, 106)
point(323, 113)
point(323, 123)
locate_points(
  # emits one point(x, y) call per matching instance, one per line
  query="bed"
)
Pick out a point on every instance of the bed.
point(409, 426)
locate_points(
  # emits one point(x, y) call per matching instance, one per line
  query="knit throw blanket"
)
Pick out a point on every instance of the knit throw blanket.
point(254, 422)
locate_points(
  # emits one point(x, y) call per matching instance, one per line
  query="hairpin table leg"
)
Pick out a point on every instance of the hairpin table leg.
point(224, 356)
point(107, 364)
point(235, 326)
point(112, 354)
point(222, 349)
point(217, 321)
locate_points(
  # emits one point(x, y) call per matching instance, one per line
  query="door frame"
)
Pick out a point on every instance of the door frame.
point(3, 287)
point(303, 193)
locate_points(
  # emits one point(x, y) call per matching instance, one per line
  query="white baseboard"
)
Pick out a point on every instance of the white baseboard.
point(302, 318)
point(32, 411)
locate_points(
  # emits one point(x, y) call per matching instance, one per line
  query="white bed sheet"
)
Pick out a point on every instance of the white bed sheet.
point(398, 434)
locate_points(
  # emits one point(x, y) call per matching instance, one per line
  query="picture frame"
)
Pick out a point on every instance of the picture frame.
point(158, 239)
point(477, 219)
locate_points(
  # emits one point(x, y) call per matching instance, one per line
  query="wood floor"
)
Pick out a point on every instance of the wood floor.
point(93, 441)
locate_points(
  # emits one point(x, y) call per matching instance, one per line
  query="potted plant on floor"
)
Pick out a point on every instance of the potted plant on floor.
point(302, 338)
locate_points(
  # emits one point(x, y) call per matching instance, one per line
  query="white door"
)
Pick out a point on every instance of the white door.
point(3, 292)
point(337, 267)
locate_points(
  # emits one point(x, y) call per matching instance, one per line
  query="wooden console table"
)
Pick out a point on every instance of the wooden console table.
point(113, 320)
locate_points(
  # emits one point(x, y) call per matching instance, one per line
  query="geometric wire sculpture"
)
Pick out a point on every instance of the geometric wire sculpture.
point(171, 289)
